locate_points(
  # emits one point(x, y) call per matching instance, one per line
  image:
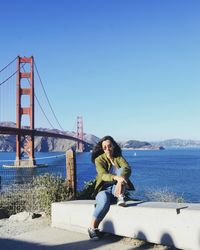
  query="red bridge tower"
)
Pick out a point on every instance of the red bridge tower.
point(25, 144)
point(80, 145)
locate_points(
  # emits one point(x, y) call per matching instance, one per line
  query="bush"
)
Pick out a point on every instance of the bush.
point(48, 189)
point(13, 199)
point(164, 195)
point(88, 190)
point(36, 196)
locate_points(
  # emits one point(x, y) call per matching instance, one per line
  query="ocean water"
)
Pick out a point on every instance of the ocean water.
point(177, 171)
point(174, 170)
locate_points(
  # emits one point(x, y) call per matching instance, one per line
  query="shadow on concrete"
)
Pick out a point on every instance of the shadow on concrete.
point(134, 204)
point(178, 210)
point(107, 226)
point(108, 238)
point(10, 244)
point(166, 240)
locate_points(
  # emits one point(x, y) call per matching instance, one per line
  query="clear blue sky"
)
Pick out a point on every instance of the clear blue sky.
point(130, 68)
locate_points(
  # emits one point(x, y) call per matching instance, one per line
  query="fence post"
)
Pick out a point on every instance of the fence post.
point(71, 171)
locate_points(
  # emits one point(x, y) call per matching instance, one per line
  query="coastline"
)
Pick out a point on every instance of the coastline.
point(145, 148)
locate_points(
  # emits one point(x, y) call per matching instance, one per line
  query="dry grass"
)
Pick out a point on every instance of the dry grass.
point(164, 195)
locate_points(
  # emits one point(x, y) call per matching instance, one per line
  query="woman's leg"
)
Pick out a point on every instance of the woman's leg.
point(118, 189)
point(103, 201)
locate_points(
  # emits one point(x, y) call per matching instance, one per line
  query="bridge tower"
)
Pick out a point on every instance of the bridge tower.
point(25, 144)
point(79, 145)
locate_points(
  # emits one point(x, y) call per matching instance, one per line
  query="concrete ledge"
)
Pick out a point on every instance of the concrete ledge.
point(173, 224)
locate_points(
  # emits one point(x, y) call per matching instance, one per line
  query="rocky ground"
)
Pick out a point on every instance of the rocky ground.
point(22, 223)
point(27, 222)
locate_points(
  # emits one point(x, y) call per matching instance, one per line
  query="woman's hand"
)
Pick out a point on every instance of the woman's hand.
point(120, 179)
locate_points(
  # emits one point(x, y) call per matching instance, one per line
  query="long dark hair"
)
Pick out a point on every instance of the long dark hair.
point(98, 150)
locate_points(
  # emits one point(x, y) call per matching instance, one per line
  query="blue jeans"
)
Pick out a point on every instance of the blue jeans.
point(104, 199)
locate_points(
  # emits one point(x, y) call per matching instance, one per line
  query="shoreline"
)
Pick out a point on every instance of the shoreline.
point(145, 149)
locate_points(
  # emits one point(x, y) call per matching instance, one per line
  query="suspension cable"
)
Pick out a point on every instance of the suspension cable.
point(8, 64)
point(8, 78)
point(34, 93)
point(43, 111)
point(11, 75)
point(47, 97)
point(39, 103)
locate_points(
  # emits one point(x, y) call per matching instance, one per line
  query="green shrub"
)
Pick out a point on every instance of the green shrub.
point(12, 200)
point(87, 192)
point(36, 196)
point(48, 189)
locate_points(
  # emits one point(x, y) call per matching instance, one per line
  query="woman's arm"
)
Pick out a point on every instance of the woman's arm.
point(102, 170)
point(121, 162)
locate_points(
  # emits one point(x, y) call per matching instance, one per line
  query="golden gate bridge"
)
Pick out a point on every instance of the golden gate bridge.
point(19, 76)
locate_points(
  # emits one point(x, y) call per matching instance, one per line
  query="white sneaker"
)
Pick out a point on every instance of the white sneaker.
point(120, 201)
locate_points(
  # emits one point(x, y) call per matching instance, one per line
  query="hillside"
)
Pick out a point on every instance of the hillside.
point(44, 144)
point(177, 143)
point(140, 145)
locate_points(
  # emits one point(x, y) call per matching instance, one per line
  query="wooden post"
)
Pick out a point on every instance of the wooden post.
point(71, 171)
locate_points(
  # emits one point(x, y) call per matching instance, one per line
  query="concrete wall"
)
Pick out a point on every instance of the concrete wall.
point(173, 224)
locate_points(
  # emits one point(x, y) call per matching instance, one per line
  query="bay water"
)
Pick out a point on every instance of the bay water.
point(173, 170)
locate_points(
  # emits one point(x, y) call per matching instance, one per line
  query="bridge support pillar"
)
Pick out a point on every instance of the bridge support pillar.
point(25, 163)
point(79, 145)
point(25, 144)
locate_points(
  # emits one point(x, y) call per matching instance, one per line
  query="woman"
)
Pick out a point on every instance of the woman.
point(111, 182)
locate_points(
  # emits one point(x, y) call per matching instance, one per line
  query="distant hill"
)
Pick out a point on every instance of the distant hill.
point(142, 145)
point(177, 143)
point(46, 144)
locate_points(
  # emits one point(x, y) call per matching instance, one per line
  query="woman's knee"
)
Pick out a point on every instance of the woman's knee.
point(119, 171)
point(103, 197)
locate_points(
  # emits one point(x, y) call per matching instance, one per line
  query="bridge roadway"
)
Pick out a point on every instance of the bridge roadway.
point(15, 131)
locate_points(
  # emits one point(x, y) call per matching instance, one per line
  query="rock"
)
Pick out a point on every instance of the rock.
point(23, 216)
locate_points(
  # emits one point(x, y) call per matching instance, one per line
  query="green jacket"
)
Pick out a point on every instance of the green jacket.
point(103, 166)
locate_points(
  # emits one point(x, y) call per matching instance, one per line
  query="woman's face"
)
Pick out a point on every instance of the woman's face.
point(107, 147)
